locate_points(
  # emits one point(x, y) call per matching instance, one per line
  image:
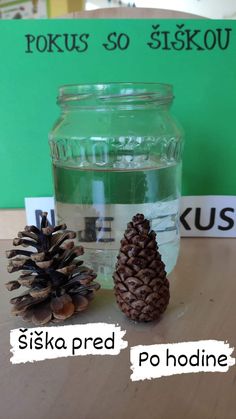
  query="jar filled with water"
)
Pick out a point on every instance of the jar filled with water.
point(116, 151)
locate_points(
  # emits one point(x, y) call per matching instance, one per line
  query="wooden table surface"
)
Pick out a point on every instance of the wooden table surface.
point(203, 295)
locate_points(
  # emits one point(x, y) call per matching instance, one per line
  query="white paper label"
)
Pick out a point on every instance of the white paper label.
point(208, 216)
point(37, 344)
point(34, 208)
point(155, 361)
point(200, 216)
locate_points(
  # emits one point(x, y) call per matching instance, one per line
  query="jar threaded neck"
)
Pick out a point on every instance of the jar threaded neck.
point(115, 94)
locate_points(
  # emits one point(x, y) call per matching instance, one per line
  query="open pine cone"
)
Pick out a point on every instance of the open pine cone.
point(58, 285)
point(141, 286)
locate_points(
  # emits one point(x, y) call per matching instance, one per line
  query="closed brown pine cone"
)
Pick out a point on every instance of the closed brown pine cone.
point(141, 286)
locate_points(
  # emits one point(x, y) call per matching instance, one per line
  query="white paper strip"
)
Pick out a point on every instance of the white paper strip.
point(155, 361)
point(208, 216)
point(35, 206)
point(200, 216)
point(37, 344)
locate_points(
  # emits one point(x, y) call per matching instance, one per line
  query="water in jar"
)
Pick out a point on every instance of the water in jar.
point(98, 203)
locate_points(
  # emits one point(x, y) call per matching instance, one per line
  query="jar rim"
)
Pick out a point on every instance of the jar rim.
point(116, 92)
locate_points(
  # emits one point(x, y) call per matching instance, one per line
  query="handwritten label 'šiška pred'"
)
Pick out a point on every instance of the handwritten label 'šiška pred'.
point(37, 344)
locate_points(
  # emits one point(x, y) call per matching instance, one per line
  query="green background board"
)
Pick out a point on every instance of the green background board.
point(204, 87)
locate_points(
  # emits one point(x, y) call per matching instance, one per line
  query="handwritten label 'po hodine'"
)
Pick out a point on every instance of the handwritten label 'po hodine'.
point(155, 361)
point(182, 38)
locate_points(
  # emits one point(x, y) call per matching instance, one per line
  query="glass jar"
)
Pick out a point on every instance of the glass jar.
point(116, 151)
